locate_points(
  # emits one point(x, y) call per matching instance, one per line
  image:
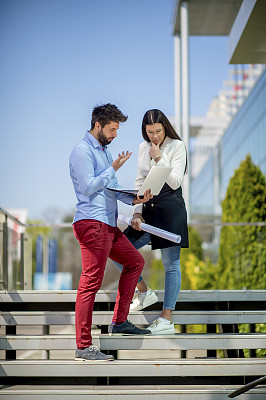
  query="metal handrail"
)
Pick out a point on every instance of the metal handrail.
point(5, 248)
point(247, 387)
point(69, 224)
point(199, 223)
point(196, 223)
point(10, 216)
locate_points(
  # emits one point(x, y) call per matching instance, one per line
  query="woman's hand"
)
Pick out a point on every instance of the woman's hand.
point(154, 150)
point(136, 221)
point(147, 196)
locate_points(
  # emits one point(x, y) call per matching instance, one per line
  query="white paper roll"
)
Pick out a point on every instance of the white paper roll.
point(152, 229)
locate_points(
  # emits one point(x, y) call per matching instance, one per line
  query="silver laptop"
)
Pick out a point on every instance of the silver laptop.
point(155, 180)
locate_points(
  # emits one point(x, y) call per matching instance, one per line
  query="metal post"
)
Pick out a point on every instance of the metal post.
point(211, 329)
point(46, 331)
point(28, 264)
point(252, 329)
point(177, 55)
point(232, 353)
point(185, 96)
point(5, 255)
point(11, 330)
point(45, 266)
point(183, 329)
point(22, 286)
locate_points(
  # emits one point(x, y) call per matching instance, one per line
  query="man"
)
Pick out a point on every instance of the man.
point(92, 171)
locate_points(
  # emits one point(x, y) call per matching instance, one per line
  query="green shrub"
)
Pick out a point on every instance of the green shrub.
point(242, 252)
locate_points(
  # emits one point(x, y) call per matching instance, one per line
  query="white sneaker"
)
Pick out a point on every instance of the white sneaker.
point(136, 293)
point(161, 327)
point(143, 300)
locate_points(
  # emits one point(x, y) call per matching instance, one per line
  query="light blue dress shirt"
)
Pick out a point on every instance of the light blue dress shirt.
point(92, 173)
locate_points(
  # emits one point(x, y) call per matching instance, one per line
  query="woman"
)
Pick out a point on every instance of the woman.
point(162, 146)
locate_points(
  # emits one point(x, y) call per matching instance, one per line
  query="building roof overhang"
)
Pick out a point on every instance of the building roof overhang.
point(208, 17)
point(247, 39)
point(242, 20)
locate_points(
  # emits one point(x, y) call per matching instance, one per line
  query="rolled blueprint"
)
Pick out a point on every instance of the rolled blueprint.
point(152, 229)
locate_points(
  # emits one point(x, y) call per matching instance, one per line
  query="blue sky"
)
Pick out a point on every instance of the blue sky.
point(61, 57)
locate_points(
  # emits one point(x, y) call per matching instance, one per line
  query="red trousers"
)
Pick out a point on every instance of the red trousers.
point(98, 241)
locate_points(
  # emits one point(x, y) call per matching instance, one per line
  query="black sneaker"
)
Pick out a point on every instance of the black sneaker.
point(92, 353)
point(127, 328)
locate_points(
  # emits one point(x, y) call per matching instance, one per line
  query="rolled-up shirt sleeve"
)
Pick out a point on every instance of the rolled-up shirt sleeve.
point(82, 166)
point(125, 198)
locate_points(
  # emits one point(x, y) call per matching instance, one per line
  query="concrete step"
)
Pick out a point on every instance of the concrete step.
point(138, 342)
point(140, 317)
point(130, 368)
point(60, 296)
point(154, 392)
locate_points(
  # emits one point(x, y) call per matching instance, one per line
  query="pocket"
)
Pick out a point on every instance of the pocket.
point(87, 231)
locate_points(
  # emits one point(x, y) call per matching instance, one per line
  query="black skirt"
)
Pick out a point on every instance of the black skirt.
point(166, 211)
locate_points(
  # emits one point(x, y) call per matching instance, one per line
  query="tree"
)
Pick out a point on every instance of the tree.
point(190, 258)
point(202, 274)
point(242, 252)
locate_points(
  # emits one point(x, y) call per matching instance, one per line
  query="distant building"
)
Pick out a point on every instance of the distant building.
point(221, 112)
point(246, 133)
point(223, 143)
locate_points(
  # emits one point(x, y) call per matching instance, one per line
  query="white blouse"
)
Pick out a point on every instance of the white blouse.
point(173, 154)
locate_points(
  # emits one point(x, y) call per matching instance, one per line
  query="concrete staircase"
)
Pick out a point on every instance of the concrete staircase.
point(37, 345)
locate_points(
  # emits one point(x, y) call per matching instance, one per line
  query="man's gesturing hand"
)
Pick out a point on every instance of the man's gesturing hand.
point(147, 196)
point(122, 158)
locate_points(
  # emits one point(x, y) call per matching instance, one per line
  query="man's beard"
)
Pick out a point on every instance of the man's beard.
point(103, 139)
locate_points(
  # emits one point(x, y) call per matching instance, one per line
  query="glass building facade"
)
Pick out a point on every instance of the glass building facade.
point(202, 190)
point(246, 134)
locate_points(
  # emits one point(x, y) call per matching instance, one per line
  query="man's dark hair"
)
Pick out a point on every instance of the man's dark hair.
point(105, 114)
